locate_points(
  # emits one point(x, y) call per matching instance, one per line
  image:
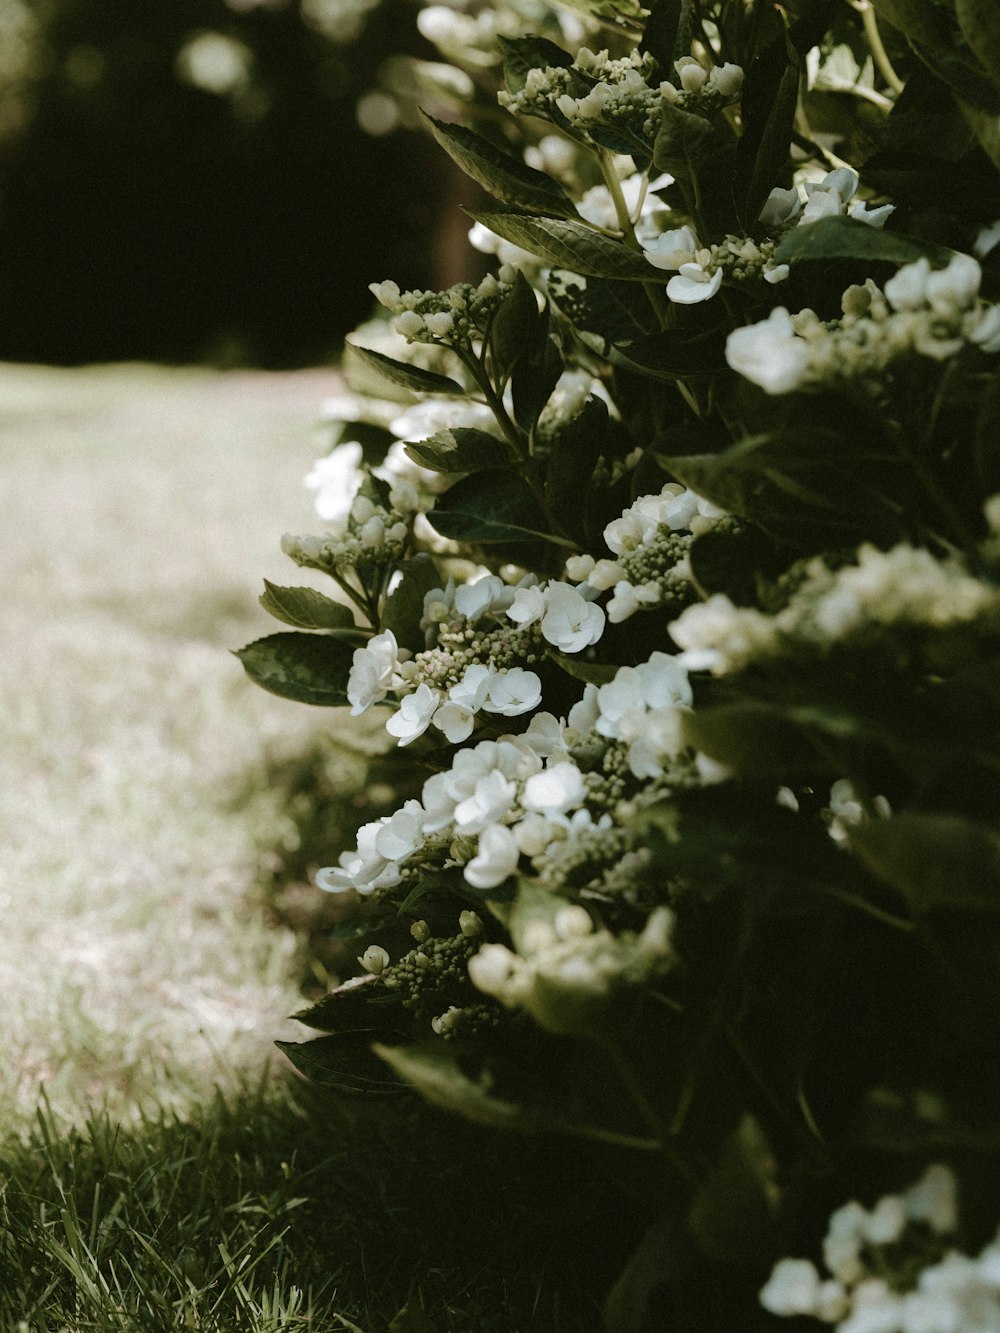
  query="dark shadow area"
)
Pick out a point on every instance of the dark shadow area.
point(181, 199)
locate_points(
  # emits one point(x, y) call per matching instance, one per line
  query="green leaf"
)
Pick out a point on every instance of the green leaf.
point(347, 1008)
point(568, 244)
point(986, 439)
point(305, 608)
point(672, 353)
point(733, 1216)
point(809, 485)
point(770, 97)
point(935, 861)
point(573, 453)
point(667, 35)
point(414, 378)
point(309, 668)
point(756, 738)
point(488, 507)
point(682, 141)
point(346, 1062)
point(502, 175)
point(520, 55)
point(405, 605)
point(980, 24)
point(847, 238)
point(536, 373)
point(619, 312)
point(635, 1301)
point(514, 327)
point(591, 673)
point(434, 1072)
point(461, 449)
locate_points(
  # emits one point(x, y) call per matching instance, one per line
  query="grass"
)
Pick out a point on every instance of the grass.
point(159, 1169)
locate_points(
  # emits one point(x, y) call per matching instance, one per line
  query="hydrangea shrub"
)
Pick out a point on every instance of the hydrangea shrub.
point(670, 554)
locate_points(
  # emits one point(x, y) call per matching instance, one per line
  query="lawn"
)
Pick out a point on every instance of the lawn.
point(160, 1169)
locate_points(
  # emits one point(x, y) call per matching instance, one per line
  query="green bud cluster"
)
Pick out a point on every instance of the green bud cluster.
point(433, 975)
point(454, 317)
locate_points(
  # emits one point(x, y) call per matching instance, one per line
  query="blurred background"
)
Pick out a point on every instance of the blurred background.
point(211, 181)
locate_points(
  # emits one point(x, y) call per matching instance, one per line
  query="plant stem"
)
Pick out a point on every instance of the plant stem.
point(875, 44)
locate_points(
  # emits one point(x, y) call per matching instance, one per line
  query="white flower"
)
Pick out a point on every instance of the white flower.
point(907, 288)
point(874, 217)
point(987, 239)
point(570, 623)
point(792, 1288)
point(628, 598)
point(513, 692)
point(472, 689)
point(490, 800)
point(693, 77)
point(694, 284)
point(544, 734)
point(372, 670)
point(671, 249)
point(335, 478)
point(527, 606)
point(954, 288)
point(934, 1199)
point(726, 79)
point(555, 791)
point(986, 333)
point(364, 869)
point(402, 833)
point(496, 859)
point(485, 596)
point(663, 680)
point(769, 354)
point(374, 959)
point(820, 204)
point(780, 207)
point(456, 721)
point(414, 716)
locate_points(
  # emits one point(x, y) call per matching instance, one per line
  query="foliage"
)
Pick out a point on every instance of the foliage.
point(695, 498)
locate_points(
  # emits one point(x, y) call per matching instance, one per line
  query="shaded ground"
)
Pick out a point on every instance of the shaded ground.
point(142, 508)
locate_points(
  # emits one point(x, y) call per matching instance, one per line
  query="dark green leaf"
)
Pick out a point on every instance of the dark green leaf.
point(309, 668)
point(935, 861)
point(514, 328)
point(846, 238)
point(674, 352)
point(812, 486)
point(619, 312)
point(730, 562)
point(734, 1213)
point(522, 54)
point(668, 35)
point(414, 378)
point(462, 449)
point(759, 738)
point(637, 1297)
point(345, 1062)
point(591, 673)
point(980, 24)
point(502, 175)
point(573, 453)
point(568, 244)
point(536, 373)
point(682, 141)
point(488, 507)
point(434, 1072)
point(987, 438)
point(348, 1008)
point(405, 605)
point(305, 608)
point(770, 97)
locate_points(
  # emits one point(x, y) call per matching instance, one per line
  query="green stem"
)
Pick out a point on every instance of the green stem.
point(875, 44)
point(647, 1111)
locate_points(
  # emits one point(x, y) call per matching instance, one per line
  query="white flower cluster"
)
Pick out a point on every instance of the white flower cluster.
point(827, 198)
point(368, 530)
point(565, 973)
point(597, 90)
point(523, 794)
point(650, 543)
point(700, 270)
point(920, 311)
point(873, 1287)
point(457, 315)
point(906, 585)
